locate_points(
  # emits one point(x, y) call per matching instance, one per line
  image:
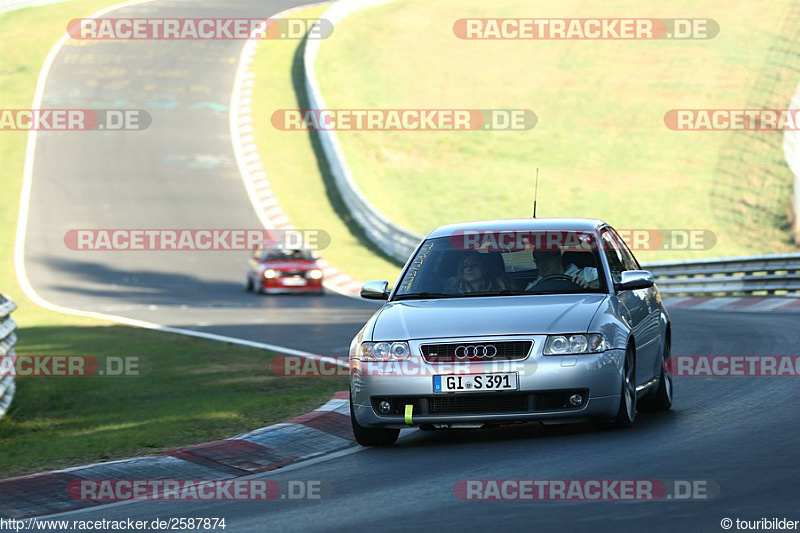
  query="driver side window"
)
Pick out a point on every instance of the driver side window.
point(613, 256)
point(629, 261)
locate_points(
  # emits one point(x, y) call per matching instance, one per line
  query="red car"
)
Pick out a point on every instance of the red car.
point(282, 270)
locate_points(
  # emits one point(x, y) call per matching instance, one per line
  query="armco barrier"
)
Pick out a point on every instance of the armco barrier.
point(7, 340)
point(729, 276)
point(393, 240)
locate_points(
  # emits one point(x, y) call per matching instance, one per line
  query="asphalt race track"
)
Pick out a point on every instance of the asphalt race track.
point(738, 433)
point(180, 173)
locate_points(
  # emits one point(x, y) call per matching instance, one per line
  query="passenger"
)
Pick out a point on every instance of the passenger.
point(549, 264)
point(474, 275)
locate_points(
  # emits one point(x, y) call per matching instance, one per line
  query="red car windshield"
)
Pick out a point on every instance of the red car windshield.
point(286, 255)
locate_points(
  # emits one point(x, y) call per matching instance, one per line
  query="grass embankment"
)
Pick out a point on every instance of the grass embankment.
point(196, 390)
point(600, 142)
point(290, 159)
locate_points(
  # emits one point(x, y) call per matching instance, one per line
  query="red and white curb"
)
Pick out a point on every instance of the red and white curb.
point(323, 431)
point(741, 305)
point(252, 171)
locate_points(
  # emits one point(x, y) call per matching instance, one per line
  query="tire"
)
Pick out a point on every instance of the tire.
point(372, 436)
point(661, 400)
point(626, 414)
point(248, 284)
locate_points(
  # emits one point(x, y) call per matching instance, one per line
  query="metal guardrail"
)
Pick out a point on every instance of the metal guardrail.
point(395, 241)
point(7, 340)
point(777, 274)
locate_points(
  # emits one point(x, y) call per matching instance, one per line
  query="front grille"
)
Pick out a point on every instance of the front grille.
point(476, 351)
point(292, 273)
point(478, 403)
point(481, 403)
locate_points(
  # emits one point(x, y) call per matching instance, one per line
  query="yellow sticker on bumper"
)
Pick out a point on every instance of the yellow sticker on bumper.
point(409, 413)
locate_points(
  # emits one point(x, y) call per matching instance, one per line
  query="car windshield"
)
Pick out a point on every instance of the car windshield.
point(282, 254)
point(504, 263)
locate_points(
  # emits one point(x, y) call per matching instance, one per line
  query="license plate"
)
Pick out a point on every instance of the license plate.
point(475, 382)
point(293, 282)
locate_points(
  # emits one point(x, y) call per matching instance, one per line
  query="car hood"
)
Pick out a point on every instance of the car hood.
point(478, 316)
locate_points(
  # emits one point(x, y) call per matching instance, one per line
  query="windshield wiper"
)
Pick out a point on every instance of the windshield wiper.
point(505, 292)
point(422, 295)
point(585, 291)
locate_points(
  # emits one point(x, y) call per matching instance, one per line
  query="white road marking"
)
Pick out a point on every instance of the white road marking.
point(24, 211)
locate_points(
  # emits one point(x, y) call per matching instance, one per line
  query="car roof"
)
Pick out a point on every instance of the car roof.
point(520, 224)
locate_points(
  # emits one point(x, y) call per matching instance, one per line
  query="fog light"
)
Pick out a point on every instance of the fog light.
point(576, 400)
point(384, 407)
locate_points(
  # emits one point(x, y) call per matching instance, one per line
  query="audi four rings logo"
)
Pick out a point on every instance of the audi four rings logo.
point(482, 351)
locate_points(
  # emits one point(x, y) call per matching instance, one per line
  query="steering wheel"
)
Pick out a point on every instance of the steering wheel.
point(554, 279)
point(556, 276)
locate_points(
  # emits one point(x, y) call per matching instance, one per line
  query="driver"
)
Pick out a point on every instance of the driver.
point(549, 264)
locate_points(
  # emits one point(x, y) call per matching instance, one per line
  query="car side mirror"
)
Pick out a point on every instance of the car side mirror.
point(635, 279)
point(375, 290)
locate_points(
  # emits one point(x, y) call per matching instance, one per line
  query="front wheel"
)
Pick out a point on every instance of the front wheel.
point(662, 399)
point(372, 436)
point(626, 414)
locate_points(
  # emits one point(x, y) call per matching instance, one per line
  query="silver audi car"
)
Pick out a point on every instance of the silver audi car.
point(506, 321)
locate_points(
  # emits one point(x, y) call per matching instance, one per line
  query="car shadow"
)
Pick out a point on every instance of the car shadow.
point(661, 422)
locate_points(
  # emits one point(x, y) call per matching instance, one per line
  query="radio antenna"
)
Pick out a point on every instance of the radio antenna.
point(535, 192)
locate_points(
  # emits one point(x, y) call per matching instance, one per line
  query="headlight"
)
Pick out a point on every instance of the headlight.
point(384, 351)
point(269, 273)
point(315, 274)
point(574, 344)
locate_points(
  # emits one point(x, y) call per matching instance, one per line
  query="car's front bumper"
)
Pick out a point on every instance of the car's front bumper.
point(543, 382)
point(278, 286)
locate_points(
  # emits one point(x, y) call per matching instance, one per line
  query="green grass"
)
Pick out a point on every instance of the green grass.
point(600, 143)
point(290, 159)
point(197, 390)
